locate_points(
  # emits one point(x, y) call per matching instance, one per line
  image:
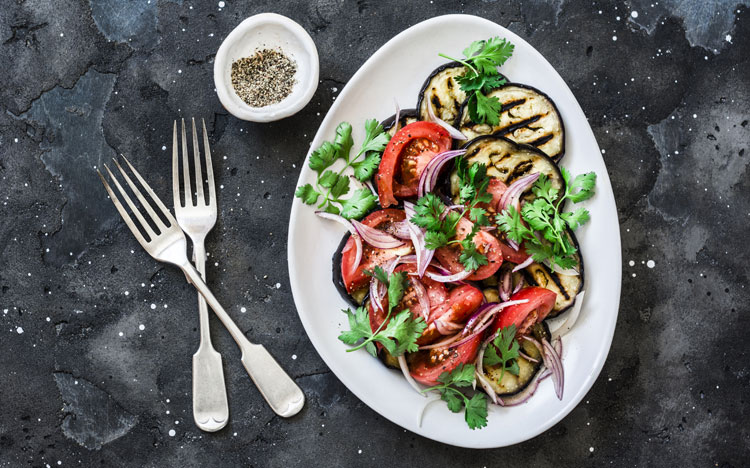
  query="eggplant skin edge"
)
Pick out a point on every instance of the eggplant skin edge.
point(581, 274)
point(338, 280)
point(387, 124)
point(557, 157)
point(538, 368)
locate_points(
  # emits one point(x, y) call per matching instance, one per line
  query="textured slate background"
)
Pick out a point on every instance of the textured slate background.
point(664, 84)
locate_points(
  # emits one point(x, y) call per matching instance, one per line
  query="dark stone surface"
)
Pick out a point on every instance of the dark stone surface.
point(83, 81)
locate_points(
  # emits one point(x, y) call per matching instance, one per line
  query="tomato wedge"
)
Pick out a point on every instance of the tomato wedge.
point(449, 256)
point(523, 316)
point(496, 188)
point(511, 255)
point(426, 366)
point(355, 279)
point(405, 158)
point(457, 308)
point(436, 292)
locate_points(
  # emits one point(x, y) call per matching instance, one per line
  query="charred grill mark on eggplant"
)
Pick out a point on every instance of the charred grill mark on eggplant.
point(511, 384)
point(522, 106)
point(566, 287)
point(508, 161)
point(442, 89)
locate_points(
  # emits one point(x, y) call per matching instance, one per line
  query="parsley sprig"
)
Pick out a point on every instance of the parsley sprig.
point(482, 58)
point(506, 344)
point(475, 407)
point(332, 184)
point(543, 215)
point(401, 332)
point(440, 227)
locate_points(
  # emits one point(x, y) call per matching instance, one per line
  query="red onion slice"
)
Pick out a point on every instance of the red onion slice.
point(407, 375)
point(424, 300)
point(514, 191)
point(524, 264)
point(376, 237)
point(488, 310)
point(399, 229)
point(442, 343)
point(450, 278)
point(350, 227)
point(398, 117)
point(454, 133)
point(430, 174)
point(424, 255)
point(519, 285)
point(446, 327)
point(572, 318)
point(483, 380)
point(504, 285)
point(524, 395)
point(376, 295)
point(560, 271)
point(554, 362)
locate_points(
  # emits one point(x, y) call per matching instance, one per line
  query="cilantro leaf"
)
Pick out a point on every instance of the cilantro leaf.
point(307, 193)
point(490, 54)
point(405, 330)
point(356, 206)
point(328, 179)
point(359, 328)
point(341, 187)
point(396, 287)
point(506, 344)
point(475, 407)
point(476, 411)
point(365, 169)
point(375, 137)
point(343, 141)
point(482, 59)
point(323, 157)
point(378, 273)
point(430, 214)
point(471, 258)
point(435, 239)
point(582, 187)
point(487, 109)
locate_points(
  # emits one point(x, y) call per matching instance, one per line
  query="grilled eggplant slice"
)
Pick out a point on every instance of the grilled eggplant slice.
point(565, 286)
point(528, 116)
point(357, 298)
point(406, 117)
point(511, 384)
point(443, 90)
point(509, 161)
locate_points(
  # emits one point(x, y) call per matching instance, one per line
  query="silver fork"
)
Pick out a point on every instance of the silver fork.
point(166, 242)
point(210, 407)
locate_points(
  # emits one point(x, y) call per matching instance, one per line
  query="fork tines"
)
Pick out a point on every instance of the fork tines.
point(199, 182)
point(152, 227)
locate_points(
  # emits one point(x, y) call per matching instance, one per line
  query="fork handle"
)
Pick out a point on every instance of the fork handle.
point(278, 389)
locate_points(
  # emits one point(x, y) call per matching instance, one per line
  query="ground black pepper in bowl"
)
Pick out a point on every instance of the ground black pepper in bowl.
point(265, 78)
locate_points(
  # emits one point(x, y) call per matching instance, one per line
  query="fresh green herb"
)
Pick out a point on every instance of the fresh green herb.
point(401, 332)
point(543, 216)
point(506, 344)
point(439, 229)
point(473, 183)
point(482, 58)
point(475, 407)
point(332, 184)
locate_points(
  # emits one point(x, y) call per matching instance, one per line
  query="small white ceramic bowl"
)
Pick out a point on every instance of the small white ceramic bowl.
point(267, 31)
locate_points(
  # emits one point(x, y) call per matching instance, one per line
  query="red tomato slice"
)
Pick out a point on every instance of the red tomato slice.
point(523, 316)
point(461, 303)
point(513, 256)
point(496, 188)
point(436, 292)
point(426, 366)
point(486, 243)
point(355, 278)
point(405, 158)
